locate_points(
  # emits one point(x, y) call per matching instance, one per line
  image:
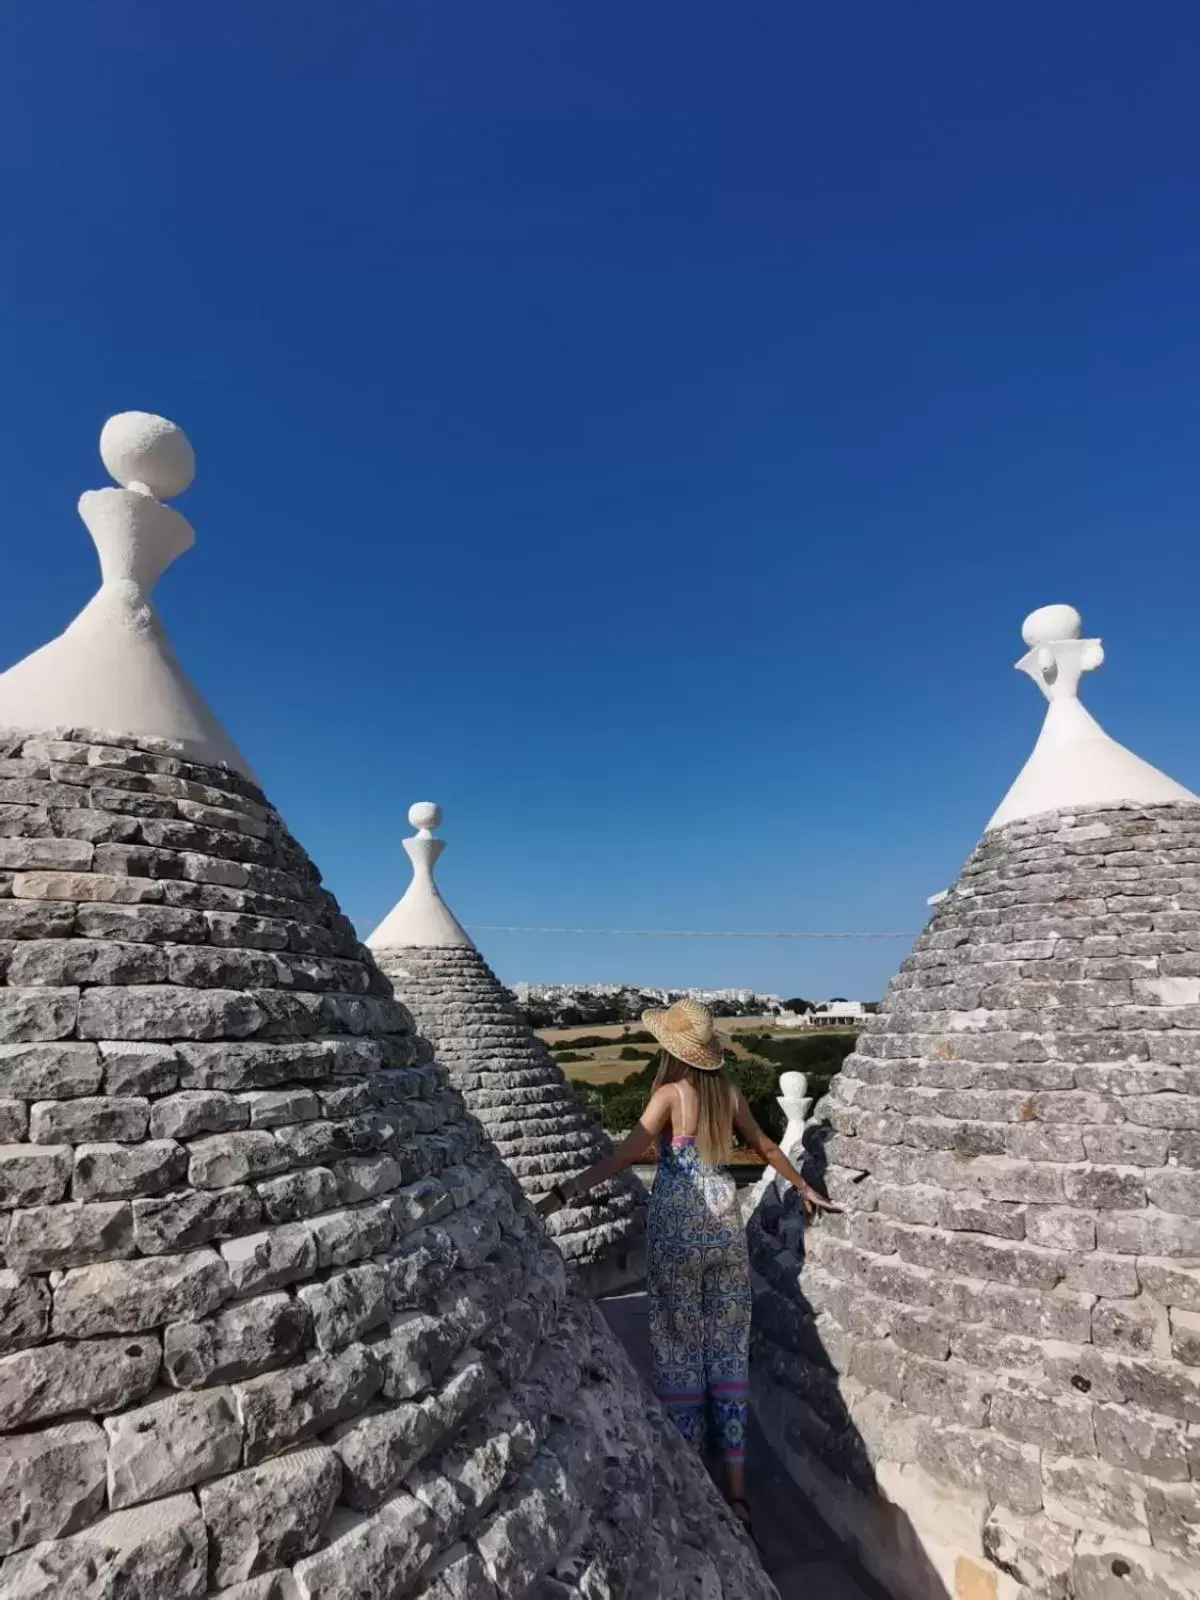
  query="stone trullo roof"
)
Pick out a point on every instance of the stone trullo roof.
point(275, 1322)
point(1007, 1335)
point(508, 1078)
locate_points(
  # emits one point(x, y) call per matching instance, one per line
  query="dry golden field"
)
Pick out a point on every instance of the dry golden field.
point(602, 1063)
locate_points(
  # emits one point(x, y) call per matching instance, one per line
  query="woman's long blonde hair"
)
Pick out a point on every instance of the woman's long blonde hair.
point(714, 1132)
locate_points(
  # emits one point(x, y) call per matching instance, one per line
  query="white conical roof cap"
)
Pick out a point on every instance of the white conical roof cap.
point(1074, 762)
point(113, 671)
point(421, 918)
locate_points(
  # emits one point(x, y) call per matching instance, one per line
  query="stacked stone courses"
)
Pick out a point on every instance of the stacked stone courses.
point(275, 1321)
point(519, 1093)
point(1009, 1306)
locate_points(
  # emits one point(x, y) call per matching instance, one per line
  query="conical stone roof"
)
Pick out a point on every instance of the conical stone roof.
point(508, 1078)
point(1000, 1394)
point(275, 1321)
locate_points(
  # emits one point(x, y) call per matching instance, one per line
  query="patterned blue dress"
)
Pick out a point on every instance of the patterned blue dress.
point(698, 1277)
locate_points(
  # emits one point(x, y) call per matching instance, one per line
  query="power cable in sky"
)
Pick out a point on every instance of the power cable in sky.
point(684, 933)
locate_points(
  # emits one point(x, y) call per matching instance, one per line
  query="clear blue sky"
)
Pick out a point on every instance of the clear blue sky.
point(640, 427)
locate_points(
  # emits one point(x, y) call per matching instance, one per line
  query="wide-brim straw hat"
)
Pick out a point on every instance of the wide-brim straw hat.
point(686, 1031)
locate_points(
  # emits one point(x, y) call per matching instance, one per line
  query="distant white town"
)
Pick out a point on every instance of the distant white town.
point(550, 1005)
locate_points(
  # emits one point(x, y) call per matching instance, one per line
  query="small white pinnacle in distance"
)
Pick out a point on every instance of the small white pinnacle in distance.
point(1049, 624)
point(147, 454)
point(425, 815)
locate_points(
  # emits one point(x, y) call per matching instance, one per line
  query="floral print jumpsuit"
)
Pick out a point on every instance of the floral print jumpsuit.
point(698, 1277)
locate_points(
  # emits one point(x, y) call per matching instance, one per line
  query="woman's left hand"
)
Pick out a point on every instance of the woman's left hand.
point(559, 1197)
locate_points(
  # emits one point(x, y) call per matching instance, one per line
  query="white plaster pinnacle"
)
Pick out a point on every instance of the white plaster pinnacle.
point(113, 671)
point(421, 917)
point(1074, 762)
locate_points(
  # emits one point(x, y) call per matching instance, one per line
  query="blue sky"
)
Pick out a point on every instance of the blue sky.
point(641, 428)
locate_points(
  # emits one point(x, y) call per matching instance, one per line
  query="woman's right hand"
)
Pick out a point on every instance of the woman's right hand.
point(814, 1202)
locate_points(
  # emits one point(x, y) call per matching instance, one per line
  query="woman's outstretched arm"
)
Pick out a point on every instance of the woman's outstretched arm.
point(630, 1150)
point(750, 1131)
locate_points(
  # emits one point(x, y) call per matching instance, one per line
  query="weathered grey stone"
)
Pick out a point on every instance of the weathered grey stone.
point(179, 1222)
point(1139, 1442)
point(223, 1159)
point(270, 1515)
point(272, 1108)
point(1034, 1550)
point(378, 1450)
point(128, 1296)
point(240, 1342)
point(978, 1461)
point(95, 1375)
point(345, 1236)
point(32, 1175)
point(199, 966)
point(1173, 1512)
point(34, 919)
point(24, 1311)
point(271, 1258)
point(427, 1200)
point(1113, 1568)
point(1092, 1492)
point(169, 1445)
point(37, 1014)
point(49, 1071)
point(100, 1118)
point(1173, 1283)
point(1106, 1188)
point(111, 1171)
point(345, 1305)
point(1185, 1337)
point(51, 1482)
point(147, 1553)
point(1062, 1427)
point(1057, 1228)
point(163, 1011)
point(1136, 1326)
point(61, 962)
point(365, 1177)
point(1174, 1189)
point(84, 886)
point(1096, 1273)
point(65, 854)
point(295, 1195)
point(138, 1069)
point(375, 1557)
point(196, 1111)
point(1150, 1232)
point(416, 1353)
point(149, 923)
point(281, 1408)
point(45, 1238)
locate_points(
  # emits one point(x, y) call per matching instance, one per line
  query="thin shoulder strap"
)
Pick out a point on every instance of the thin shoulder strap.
point(683, 1116)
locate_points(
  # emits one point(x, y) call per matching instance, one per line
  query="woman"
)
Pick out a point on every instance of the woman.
point(697, 1272)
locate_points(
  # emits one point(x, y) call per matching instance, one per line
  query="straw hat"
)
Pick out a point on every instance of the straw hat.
point(686, 1031)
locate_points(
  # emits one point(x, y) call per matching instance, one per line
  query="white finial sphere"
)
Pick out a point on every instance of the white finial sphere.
point(425, 814)
point(1048, 624)
point(140, 448)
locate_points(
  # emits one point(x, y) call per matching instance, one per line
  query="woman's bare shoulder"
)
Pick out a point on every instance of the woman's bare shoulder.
point(660, 1106)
